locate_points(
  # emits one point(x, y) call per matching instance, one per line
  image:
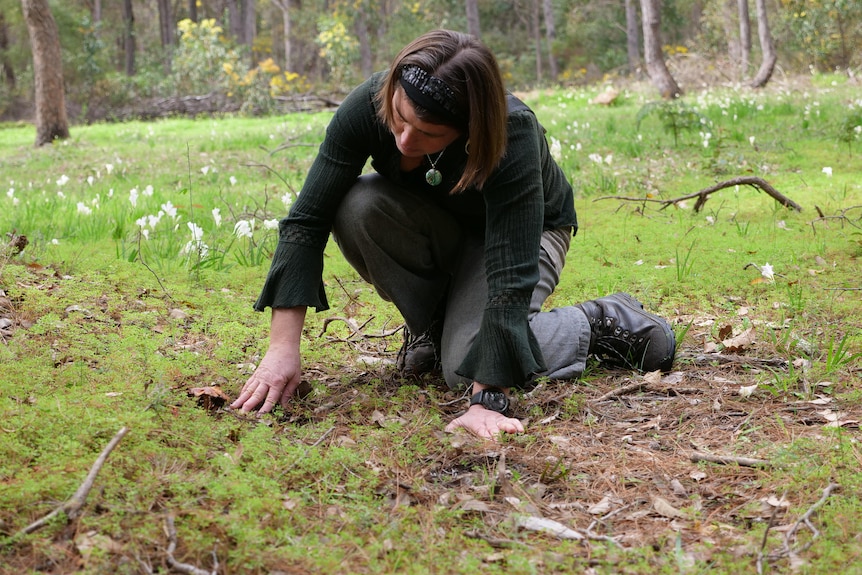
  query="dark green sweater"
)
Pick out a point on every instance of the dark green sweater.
point(526, 194)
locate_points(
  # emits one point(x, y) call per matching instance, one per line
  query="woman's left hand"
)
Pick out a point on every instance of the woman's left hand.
point(485, 423)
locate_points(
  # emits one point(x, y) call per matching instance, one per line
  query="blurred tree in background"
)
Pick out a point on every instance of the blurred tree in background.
point(262, 56)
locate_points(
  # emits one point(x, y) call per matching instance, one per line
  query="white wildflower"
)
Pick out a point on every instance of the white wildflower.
point(270, 224)
point(556, 149)
point(84, 209)
point(196, 230)
point(109, 168)
point(217, 217)
point(148, 191)
point(243, 229)
point(64, 179)
point(828, 171)
point(767, 272)
point(205, 170)
point(55, 242)
point(595, 158)
point(751, 140)
point(287, 199)
point(169, 209)
point(90, 180)
point(61, 195)
point(232, 180)
point(133, 197)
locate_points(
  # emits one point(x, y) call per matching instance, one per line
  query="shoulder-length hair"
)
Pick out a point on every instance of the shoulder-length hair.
point(470, 69)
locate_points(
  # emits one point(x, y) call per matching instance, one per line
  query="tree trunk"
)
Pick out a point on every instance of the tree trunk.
point(655, 64)
point(234, 20)
point(473, 18)
point(744, 37)
point(284, 6)
point(727, 17)
point(6, 64)
point(537, 39)
point(249, 23)
point(360, 25)
point(166, 32)
point(193, 10)
point(766, 47)
point(51, 120)
point(551, 38)
point(633, 39)
point(129, 38)
point(97, 12)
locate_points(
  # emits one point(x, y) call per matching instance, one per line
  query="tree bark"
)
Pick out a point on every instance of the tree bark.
point(473, 27)
point(655, 64)
point(727, 15)
point(744, 37)
point(633, 39)
point(767, 67)
point(97, 11)
point(193, 10)
point(129, 45)
point(249, 23)
point(51, 120)
point(551, 37)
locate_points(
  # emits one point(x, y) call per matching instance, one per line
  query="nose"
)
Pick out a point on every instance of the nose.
point(408, 137)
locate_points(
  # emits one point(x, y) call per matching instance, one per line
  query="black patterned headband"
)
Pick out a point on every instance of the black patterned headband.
point(431, 93)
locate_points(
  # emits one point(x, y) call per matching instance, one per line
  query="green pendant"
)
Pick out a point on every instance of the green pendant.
point(433, 177)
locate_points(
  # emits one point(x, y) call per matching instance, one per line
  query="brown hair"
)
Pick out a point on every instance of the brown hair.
point(470, 70)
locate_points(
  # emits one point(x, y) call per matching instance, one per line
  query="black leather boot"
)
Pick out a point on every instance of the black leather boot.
point(419, 353)
point(624, 335)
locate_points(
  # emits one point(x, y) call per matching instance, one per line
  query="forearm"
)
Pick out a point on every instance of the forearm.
point(285, 329)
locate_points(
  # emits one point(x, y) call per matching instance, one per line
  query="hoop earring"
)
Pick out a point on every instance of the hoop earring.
point(467, 147)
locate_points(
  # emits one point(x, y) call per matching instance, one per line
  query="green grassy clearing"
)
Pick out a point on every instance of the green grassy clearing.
point(106, 328)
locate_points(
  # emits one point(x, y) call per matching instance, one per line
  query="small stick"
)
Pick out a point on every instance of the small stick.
point(172, 546)
point(726, 459)
point(73, 506)
point(806, 517)
point(622, 390)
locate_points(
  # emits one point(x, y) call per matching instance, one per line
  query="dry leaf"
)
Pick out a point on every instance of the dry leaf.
point(739, 342)
point(665, 509)
point(697, 475)
point(747, 390)
point(210, 397)
point(601, 507)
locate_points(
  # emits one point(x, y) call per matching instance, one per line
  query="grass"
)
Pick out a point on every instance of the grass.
point(107, 326)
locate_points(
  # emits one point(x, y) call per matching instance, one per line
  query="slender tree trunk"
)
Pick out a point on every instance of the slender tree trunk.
point(51, 120)
point(633, 38)
point(249, 23)
point(166, 32)
point(234, 19)
point(193, 10)
point(655, 64)
point(473, 27)
point(744, 37)
point(366, 62)
point(727, 18)
point(5, 63)
point(537, 39)
point(97, 12)
point(284, 6)
point(129, 38)
point(767, 67)
point(551, 38)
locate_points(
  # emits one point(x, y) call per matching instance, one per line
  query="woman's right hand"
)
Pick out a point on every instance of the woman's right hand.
point(280, 371)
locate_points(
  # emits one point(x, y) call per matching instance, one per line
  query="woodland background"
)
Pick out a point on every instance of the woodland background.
point(135, 59)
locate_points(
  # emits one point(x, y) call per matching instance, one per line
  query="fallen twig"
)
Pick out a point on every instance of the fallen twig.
point(634, 386)
point(753, 181)
point(722, 358)
point(494, 542)
point(806, 518)
point(696, 456)
point(73, 506)
point(172, 546)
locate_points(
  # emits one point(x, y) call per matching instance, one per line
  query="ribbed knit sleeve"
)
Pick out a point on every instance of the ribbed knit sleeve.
point(505, 352)
point(295, 276)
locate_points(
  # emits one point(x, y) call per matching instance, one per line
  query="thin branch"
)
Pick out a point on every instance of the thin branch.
point(73, 506)
point(632, 387)
point(728, 459)
point(753, 181)
point(172, 546)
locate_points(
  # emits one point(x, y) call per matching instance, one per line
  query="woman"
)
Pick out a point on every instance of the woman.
point(464, 227)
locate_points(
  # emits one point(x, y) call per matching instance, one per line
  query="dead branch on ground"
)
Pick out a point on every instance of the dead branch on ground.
point(697, 456)
point(73, 506)
point(702, 195)
point(172, 546)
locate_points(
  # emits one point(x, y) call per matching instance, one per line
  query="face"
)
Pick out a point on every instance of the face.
point(414, 137)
